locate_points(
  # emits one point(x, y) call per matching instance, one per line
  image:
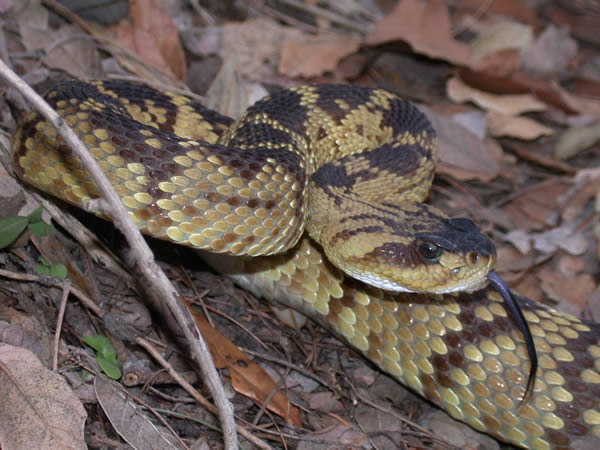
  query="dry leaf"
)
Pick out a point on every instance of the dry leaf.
point(511, 259)
point(255, 44)
point(64, 49)
point(151, 34)
point(455, 433)
point(574, 140)
point(579, 104)
point(462, 154)
point(528, 286)
point(131, 422)
point(502, 36)
point(247, 377)
point(343, 435)
point(423, 25)
point(315, 55)
point(518, 83)
point(503, 63)
point(26, 331)
point(583, 26)
point(517, 127)
point(551, 52)
point(508, 105)
point(231, 94)
point(537, 208)
point(38, 408)
point(563, 238)
point(517, 9)
point(570, 289)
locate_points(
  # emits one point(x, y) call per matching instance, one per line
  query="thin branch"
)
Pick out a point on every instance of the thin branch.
point(153, 276)
point(59, 321)
point(55, 282)
point(192, 391)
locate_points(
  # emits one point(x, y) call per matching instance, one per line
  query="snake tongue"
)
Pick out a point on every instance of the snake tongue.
point(515, 311)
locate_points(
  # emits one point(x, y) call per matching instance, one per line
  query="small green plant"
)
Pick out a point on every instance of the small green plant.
point(57, 270)
point(11, 227)
point(106, 355)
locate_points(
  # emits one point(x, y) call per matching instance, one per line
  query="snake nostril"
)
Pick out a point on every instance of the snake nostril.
point(472, 258)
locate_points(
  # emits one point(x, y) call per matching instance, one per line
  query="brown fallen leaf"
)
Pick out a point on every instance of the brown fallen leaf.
point(540, 159)
point(151, 34)
point(584, 25)
point(517, 127)
point(582, 105)
point(255, 45)
point(343, 435)
point(129, 420)
point(63, 47)
point(502, 62)
point(570, 288)
point(38, 408)
point(535, 209)
point(315, 55)
point(517, 83)
point(247, 377)
point(425, 26)
point(508, 105)
point(463, 154)
point(551, 52)
point(528, 286)
point(575, 140)
point(517, 9)
point(586, 88)
point(501, 36)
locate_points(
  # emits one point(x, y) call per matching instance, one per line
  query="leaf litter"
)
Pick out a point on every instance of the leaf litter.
point(518, 152)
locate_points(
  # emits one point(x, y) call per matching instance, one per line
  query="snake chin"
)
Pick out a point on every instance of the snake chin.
point(474, 283)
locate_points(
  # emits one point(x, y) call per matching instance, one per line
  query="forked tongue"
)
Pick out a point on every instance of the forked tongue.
point(515, 311)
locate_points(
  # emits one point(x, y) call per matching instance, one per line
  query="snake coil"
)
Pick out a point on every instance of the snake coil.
point(314, 198)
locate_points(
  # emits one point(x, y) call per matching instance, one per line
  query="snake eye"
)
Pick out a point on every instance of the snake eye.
point(429, 251)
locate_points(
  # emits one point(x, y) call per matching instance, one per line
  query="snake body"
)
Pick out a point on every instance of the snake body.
point(263, 189)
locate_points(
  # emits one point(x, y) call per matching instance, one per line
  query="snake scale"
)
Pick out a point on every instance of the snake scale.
point(314, 199)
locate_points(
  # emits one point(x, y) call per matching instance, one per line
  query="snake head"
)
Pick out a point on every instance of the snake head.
point(457, 251)
point(437, 255)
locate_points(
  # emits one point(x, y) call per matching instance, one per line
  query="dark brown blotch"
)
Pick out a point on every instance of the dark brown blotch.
point(246, 175)
point(213, 197)
point(456, 359)
point(119, 141)
point(558, 438)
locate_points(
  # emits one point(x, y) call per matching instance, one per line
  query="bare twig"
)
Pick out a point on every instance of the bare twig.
point(203, 13)
point(193, 392)
point(59, 321)
point(82, 296)
point(154, 277)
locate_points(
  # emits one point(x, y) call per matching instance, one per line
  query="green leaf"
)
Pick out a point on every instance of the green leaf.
point(10, 229)
point(36, 215)
point(39, 229)
point(42, 269)
point(101, 344)
point(58, 270)
point(106, 355)
point(109, 367)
